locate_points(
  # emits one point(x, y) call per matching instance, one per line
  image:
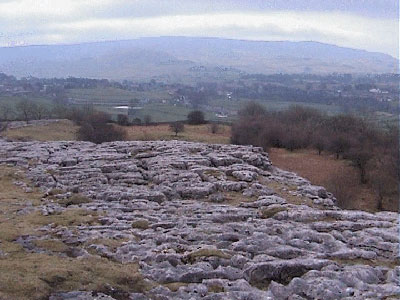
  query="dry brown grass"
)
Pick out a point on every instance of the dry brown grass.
point(112, 244)
point(193, 133)
point(66, 130)
point(266, 213)
point(174, 286)
point(140, 224)
point(285, 191)
point(61, 131)
point(52, 245)
point(35, 276)
point(75, 199)
point(327, 171)
point(236, 198)
point(12, 200)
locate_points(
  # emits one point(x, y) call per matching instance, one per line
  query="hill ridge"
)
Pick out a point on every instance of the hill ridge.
point(247, 55)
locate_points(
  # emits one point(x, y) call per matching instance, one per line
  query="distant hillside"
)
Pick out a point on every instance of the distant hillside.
point(180, 56)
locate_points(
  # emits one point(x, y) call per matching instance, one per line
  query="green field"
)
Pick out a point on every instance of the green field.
point(10, 102)
point(105, 99)
point(13, 100)
point(114, 95)
point(159, 112)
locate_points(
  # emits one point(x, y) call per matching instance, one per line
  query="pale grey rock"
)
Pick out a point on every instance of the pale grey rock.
point(247, 176)
point(264, 201)
point(282, 271)
point(80, 296)
point(182, 191)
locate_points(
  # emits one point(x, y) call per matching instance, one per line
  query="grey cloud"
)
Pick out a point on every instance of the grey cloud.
point(153, 8)
point(46, 27)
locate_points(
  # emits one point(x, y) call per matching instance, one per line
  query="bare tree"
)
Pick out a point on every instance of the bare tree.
point(319, 143)
point(40, 111)
point(339, 145)
point(177, 127)
point(26, 110)
point(360, 158)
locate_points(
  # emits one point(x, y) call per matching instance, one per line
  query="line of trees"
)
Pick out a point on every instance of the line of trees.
point(373, 151)
point(25, 110)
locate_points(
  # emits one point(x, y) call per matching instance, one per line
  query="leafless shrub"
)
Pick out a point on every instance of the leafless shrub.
point(26, 110)
point(177, 127)
point(96, 129)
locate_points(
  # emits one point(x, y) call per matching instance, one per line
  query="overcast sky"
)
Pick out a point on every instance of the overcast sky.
point(366, 24)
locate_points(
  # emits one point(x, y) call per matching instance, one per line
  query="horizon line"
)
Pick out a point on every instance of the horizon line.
point(197, 37)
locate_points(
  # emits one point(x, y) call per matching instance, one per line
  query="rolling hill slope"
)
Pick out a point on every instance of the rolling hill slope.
point(179, 56)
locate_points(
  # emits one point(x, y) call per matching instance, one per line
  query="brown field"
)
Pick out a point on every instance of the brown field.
point(61, 131)
point(66, 131)
point(193, 133)
point(338, 176)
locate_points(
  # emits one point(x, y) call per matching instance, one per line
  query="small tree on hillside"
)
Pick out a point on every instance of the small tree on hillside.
point(383, 176)
point(360, 158)
point(40, 111)
point(196, 117)
point(177, 127)
point(26, 110)
point(339, 145)
point(319, 143)
point(291, 140)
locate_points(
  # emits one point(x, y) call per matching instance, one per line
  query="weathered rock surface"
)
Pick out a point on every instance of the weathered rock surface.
point(220, 219)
